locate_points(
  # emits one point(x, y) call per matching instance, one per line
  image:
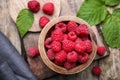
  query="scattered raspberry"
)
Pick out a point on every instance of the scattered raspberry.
point(61, 56)
point(101, 50)
point(57, 35)
point(33, 51)
point(43, 21)
point(51, 54)
point(65, 36)
point(48, 8)
point(88, 45)
point(80, 47)
point(48, 42)
point(83, 58)
point(69, 65)
point(72, 36)
point(34, 6)
point(72, 56)
point(82, 30)
point(68, 45)
point(62, 26)
point(56, 46)
point(96, 70)
point(71, 26)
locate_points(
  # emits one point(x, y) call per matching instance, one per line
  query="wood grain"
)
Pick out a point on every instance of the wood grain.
point(16, 6)
point(8, 27)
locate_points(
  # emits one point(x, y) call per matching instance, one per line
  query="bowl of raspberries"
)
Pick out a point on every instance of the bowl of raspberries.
point(66, 45)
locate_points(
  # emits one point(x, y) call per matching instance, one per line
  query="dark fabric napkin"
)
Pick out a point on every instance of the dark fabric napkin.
point(12, 65)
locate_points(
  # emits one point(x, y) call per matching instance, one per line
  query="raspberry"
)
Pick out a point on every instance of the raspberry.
point(72, 56)
point(48, 8)
point(78, 40)
point(58, 63)
point(57, 35)
point(71, 26)
point(88, 45)
point(43, 21)
point(61, 56)
point(65, 36)
point(56, 46)
point(51, 54)
point(83, 58)
point(96, 70)
point(101, 50)
point(80, 47)
point(82, 30)
point(48, 42)
point(68, 45)
point(34, 6)
point(69, 65)
point(33, 51)
point(62, 26)
point(72, 36)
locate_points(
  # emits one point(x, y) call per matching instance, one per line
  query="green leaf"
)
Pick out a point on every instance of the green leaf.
point(92, 11)
point(111, 2)
point(111, 29)
point(24, 21)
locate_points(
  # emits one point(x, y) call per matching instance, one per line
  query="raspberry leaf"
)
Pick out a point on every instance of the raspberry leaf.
point(111, 2)
point(92, 11)
point(24, 21)
point(111, 29)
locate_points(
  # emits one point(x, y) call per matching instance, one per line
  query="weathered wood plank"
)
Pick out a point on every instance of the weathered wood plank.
point(7, 26)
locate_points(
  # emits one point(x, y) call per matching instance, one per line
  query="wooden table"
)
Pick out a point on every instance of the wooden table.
point(110, 65)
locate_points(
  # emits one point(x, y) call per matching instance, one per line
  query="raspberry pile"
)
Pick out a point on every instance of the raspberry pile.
point(69, 44)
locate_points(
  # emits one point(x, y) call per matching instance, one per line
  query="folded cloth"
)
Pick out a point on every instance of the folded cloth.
point(13, 66)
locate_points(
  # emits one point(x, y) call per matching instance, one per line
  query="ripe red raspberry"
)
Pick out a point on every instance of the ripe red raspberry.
point(71, 26)
point(56, 46)
point(83, 58)
point(61, 26)
point(48, 8)
point(68, 45)
point(72, 36)
point(88, 45)
point(101, 50)
point(43, 21)
point(61, 56)
point(96, 70)
point(65, 36)
point(34, 6)
point(58, 63)
point(48, 42)
point(82, 30)
point(33, 51)
point(80, 47)
point(72, 56)
point(69, 65)
point(51, 54)
point(57, 35)
point(78, 40)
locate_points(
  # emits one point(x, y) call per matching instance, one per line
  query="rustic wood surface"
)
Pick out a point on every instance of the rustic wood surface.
point(16, 6)
point(110, 65)
point(7, 26)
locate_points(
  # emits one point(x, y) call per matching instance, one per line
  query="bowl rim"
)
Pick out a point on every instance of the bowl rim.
point(42, 50)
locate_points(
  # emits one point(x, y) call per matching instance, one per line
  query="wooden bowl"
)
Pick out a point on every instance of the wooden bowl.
point(45, 33)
